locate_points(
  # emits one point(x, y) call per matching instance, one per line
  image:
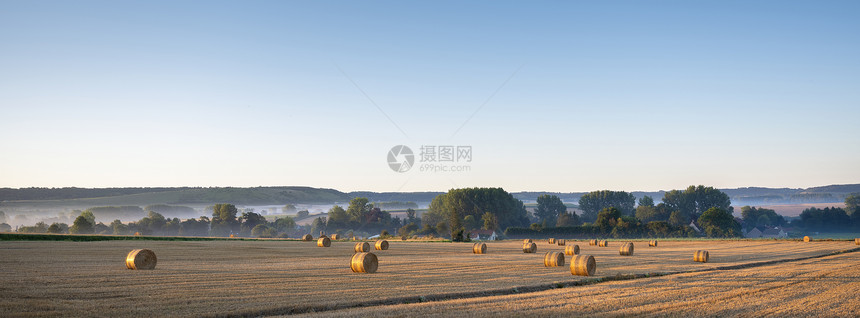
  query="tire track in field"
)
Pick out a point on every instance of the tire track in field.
point(292, 310)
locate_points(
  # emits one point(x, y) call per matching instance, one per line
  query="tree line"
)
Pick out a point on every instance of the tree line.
point(225, 221)
point(608, 213)
point(460, 211)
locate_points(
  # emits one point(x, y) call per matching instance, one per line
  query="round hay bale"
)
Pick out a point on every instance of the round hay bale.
point(381, 245)
point(232, 235)
point(335, 237)
point(141, 259)
point(553, 259)
point(527, 241)
point(701, 256)
point(807, 239)
point(364, 263)
point(583, 265)
point(652, 243)
point(560, 242)
point(529, 248)
point(137, 233)
point(571, 250)
point(324, 242)
point(479, 248)
point(307, 237)
point(857, 241)
point(592, 242)
point(551, 241)
point(362, 247)
point(603, 243)
point(626, 249)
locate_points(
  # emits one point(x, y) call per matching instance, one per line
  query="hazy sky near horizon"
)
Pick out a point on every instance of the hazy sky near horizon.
point(555, 96)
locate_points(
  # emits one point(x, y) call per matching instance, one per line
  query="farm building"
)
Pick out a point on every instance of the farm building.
point(767, 233)
point(754, 233)
point(483, 235)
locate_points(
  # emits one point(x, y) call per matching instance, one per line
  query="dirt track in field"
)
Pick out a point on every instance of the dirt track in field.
point(275, 277)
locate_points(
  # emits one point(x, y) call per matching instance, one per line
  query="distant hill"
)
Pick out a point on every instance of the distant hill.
point(9, 194)
point(836, 189)
point(87, 197)
point(173, 196)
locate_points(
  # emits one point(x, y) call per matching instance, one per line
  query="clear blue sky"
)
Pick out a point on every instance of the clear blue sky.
point(623, 95)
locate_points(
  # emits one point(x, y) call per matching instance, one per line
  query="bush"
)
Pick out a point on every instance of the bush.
point(262, 230)
point(457, 235)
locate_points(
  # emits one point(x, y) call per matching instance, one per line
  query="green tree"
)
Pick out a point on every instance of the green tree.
point(410, 217)
point(696, 199)
point(358, 210)
point(285, 224)
point(476, 201)
point(58, 228)
point(250, 220)
point(646, 213)
point(593, 202)
point(263, 230)
point(192, 227)
point(40, 227)
point(458, 235)
point(677, 218)
point(119, 228)
point(646, 201)
point(470, 223)
point(759, 217)
point(490, 221)
point(171, 227)
point(658, 229)
point(568, 219)
point(5, 227)
point(852, 201)
point(153, 223)
point(716, 222)
point(408, 230)
point(830, 219)
point(224, 220)
point(549, 207)
point(442, 229)
point(318, 225)
point(101, 228)
point(436, 212)
point(88, 214)
point(302, 214)
point(81, 226)
point(607, 219)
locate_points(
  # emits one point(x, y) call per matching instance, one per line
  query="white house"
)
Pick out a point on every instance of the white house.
point(483, 235)
point(774, 233)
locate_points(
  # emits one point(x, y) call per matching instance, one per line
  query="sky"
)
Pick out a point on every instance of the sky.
point(549, 95)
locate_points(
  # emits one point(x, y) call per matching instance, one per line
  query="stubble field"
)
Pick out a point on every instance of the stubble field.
point(260, 278)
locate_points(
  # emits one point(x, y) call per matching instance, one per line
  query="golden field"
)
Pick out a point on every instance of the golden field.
point(822, 287)
point(268, 277)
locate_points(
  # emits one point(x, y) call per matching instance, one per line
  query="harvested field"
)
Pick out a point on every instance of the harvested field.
point(278, 277)
point(821, 287)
